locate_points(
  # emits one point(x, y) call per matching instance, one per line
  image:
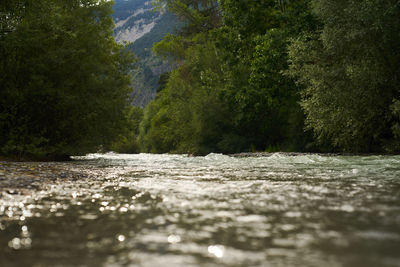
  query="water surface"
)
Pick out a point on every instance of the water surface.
point(175, 210)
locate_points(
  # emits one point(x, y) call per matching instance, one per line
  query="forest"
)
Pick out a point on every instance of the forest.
point(64, 80)
point(272, 75)
point(266, 75)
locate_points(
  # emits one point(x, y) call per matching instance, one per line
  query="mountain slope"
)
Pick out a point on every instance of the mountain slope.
point(138, 24)
point(133, 19)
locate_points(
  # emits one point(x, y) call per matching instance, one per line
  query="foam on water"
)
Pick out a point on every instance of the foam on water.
point(278, 210)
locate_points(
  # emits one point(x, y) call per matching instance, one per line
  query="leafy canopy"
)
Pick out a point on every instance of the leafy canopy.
point(64, 80)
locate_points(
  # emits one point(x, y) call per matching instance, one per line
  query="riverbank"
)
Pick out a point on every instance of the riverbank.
point(268, 154)
point(65, 158)
point(13, 158)
point(294, 154)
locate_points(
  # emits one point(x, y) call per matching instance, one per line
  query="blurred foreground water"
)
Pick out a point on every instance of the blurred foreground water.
point(174, 210)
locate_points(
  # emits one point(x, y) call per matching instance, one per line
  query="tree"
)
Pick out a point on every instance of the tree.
point(64, 80)
point(230, 86)
point(198, 15)
point(254, 45)
point(188, 115)
point(350, 73)
point(127, 142)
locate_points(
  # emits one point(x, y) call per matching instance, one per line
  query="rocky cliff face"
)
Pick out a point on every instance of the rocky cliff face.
point(138, 24)
point(141, 21)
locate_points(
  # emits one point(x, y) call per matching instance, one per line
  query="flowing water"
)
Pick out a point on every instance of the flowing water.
point(175, 210)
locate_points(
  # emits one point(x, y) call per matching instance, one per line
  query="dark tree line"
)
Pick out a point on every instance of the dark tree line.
point(64, 81)
point(298, 75)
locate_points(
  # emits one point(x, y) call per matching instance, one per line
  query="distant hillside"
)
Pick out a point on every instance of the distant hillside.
point(137, 23)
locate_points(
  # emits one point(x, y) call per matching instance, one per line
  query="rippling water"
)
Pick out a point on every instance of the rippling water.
point(174, 210)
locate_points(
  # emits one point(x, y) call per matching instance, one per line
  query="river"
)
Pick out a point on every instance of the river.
point(217, 210)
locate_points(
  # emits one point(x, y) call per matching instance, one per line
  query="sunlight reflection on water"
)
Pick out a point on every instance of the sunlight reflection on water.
point(175, 210)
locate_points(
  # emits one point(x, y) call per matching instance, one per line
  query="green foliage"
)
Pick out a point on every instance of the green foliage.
point(171, 47)
point(229, 93)
point(64, 80)
point(155, 131)
point(162, 82)
point(254, 42)
point(128, 142)
point(197, 15)
point(266, 75)
point(189, 116)
point(350, 73)
point(168, 23)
